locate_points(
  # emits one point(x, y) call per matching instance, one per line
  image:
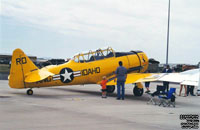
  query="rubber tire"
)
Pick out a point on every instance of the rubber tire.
point(29, 92)
point(138, 91)
point(110, 88)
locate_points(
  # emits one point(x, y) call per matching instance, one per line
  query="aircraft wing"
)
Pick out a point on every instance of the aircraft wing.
point(37, 75)
point(131, 78)
point(190, 77)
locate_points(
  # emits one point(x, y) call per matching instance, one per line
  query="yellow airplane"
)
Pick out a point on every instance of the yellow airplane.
point(84, 68)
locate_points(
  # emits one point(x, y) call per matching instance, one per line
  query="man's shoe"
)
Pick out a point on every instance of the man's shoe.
point(122, 98)
point(118, 98)
point(147, 91)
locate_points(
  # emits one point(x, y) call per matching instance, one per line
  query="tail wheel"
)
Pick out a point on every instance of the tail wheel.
point(110, 88)
point(138, 91)
point(29, 92)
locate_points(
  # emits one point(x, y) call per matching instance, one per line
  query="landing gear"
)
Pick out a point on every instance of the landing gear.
point(137, 90)
point(29, 92)
point(110, 88)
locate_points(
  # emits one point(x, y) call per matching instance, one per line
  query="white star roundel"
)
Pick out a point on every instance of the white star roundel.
point(66, 75)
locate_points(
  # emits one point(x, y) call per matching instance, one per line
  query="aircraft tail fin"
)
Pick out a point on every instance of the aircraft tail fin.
point(20, 66)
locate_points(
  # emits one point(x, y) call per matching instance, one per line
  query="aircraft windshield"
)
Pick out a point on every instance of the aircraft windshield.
point(94, 55)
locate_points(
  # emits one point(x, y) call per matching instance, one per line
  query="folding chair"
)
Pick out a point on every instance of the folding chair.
point(159, 91)
point(168, 99)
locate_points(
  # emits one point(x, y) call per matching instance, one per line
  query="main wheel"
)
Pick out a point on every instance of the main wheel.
point(138, 91)
point(29, 92)
point(110, 88)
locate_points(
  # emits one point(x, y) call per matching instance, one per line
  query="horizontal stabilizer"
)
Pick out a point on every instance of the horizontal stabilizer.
point(37, 75)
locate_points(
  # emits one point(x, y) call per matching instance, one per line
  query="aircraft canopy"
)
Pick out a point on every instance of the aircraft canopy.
point(94, 55)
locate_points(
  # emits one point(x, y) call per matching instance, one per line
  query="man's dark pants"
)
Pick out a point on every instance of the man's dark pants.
point(120, 86)
point(166, 85)
point(190, 89)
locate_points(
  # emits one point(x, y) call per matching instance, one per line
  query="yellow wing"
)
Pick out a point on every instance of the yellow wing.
point(133, 78)
point(151, 77)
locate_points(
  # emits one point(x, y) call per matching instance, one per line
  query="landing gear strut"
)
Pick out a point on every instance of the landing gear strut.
point(29, 92)
point(137, 90)
point(110, 88)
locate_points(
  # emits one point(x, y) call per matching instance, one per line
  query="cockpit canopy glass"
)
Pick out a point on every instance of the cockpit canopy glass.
point(94, 55)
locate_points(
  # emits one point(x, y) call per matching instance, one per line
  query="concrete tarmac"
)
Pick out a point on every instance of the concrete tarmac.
point(82, 108)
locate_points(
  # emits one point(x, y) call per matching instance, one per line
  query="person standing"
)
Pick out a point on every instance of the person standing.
point(165, 83)
point(185, 95)
point(121, 73)
point(103, 86)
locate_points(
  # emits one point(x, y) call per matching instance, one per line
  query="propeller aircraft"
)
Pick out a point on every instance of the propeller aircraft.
point(84, 68)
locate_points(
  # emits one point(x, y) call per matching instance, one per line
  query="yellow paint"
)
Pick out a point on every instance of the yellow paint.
point(20, 66)
point(139, 85)
point(132, 78)
point(24, 74)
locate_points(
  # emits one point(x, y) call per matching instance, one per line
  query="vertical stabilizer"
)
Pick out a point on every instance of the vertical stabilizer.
point(20, 66)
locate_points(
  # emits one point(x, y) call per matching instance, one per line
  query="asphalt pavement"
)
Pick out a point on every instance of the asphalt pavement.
point(81, 107)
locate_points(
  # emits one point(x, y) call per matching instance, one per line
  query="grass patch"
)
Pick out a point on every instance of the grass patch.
point(4, 68)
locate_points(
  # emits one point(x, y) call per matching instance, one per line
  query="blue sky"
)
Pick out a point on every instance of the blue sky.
point(62, 28)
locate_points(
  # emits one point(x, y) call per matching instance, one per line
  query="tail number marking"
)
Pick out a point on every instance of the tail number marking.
point(21, 60)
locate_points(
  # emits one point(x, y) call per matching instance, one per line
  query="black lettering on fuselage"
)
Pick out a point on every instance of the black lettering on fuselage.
point(47, 80)
point(97, 70)
point(21, 60)
point(90, 71)
point(84, 72)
